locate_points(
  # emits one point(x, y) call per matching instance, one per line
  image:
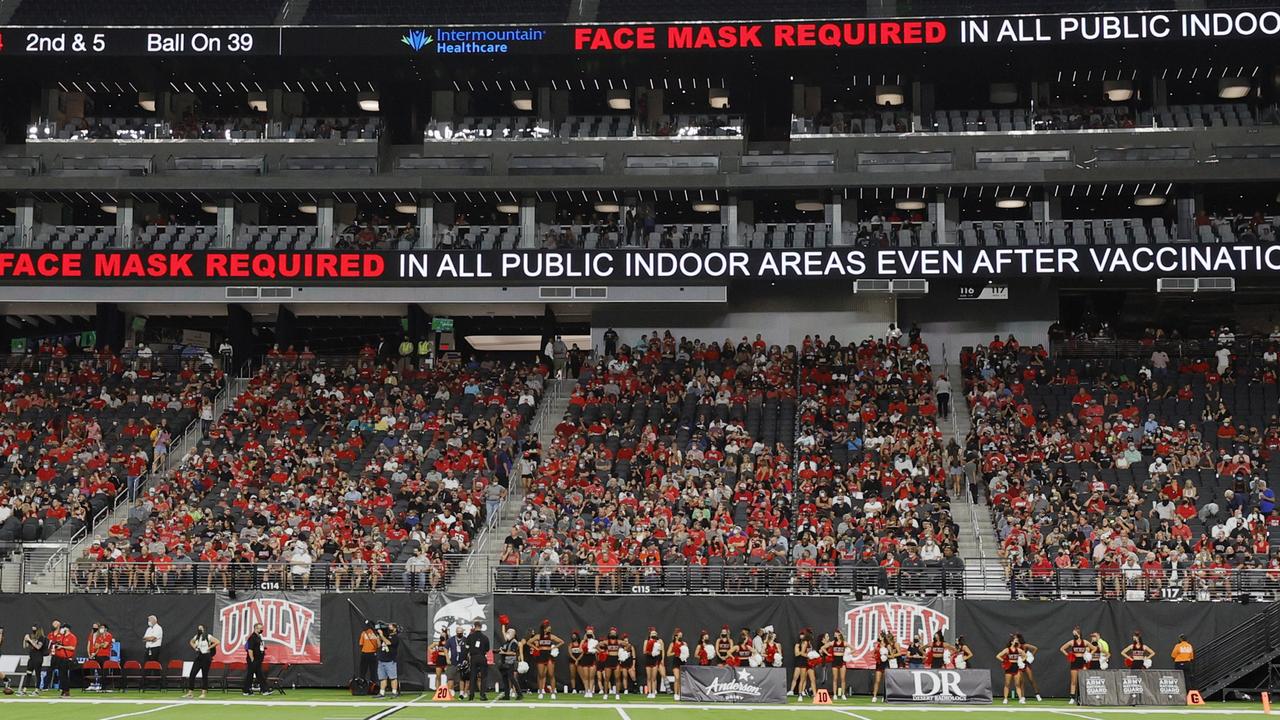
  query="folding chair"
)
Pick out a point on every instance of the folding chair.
point(130, 668)
point(89, 666)
point(152, 667)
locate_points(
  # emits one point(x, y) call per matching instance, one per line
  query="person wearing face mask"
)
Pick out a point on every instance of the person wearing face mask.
point(1137, 654)
point(581, 662)
point(627, 664)
point(653, 670)
point(204, 645)
point(611, 678)
point(100, 642)
point(62, 644)
point(36, 645)
point(724, 647)
point(509, 659)
point(678, 651)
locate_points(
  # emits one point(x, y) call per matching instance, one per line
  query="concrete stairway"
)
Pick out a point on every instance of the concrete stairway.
point(473, 577)
point(984, 573)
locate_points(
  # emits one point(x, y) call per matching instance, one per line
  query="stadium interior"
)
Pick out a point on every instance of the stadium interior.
point(772, 314)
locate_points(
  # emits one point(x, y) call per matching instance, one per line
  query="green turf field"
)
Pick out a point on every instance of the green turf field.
point(338, 705)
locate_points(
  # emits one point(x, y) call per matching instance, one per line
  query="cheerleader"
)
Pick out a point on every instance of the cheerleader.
point(627, 664)
point(705, 652)
point(576, 677)
point(938, 653)
point(724, 646)
point(653, 670)
point(1078, 652)
point(1029, 653)
point(610, 678)
point(801, 675)
point(678, 651)
point(840, 657)
point(772, 650)
point(548, 645)
point(1012, 661)
point(887, 653)
point(962, 654)
point(821, 664)
point(439, 652)
point(1136, 654)
point(743, 651)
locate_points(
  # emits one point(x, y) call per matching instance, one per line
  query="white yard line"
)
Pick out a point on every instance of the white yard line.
point(140, 712)
point(851, 714)
point(1074, 714)
point(622, 712)
point(162, 704)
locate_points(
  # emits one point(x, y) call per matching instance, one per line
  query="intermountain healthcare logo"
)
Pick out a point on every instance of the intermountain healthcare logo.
point(417, 39)
point(290, 628)
point(471, 41)
point(864, 621)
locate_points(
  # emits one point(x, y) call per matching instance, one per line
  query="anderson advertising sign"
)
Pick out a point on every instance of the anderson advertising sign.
point(490, 40)
point(625, 267)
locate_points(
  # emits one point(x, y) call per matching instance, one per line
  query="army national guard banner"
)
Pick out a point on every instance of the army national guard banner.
point(1132, 687)
point(733, 684)
point(951, 687)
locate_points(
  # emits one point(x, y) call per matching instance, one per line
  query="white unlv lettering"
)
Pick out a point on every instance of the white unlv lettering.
point(283, 623)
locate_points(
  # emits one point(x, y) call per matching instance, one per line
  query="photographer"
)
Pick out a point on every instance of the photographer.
point(368, 642)
point(388, 653)
point(510, 656)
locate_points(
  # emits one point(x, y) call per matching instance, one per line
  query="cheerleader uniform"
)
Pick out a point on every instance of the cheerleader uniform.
point(630, 662)
point(1076, 651)
point(837, 654)
point(545, 643)
point(609, 654)
point(440, 656)
point(936, 656)
point(1137, 654)
point(676, 647)
point(742, 657)
point(1011, 660)
point(722, 647)
point(882, 657)
point(800, 661)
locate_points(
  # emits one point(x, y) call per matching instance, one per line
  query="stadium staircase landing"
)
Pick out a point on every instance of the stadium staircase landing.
point(43, 567)
point(473, 576)
point(1251, 648)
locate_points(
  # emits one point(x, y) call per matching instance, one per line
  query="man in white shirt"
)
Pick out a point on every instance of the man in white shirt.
point(153, 638)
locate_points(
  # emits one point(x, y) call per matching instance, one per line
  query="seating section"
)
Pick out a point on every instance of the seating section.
point(410, 12)
point(76, 427)
point(177, 237)
point(478, 237)
point(741, 466)
point(144, 12)
point(276, 237)
point(1154, 470)
point(582, 126)
point(323, 474)
point(193, 128)
point(867, 122)
point(75, 237)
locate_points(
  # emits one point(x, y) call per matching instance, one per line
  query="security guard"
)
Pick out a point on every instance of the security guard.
point(425, 350)
point(406, 353)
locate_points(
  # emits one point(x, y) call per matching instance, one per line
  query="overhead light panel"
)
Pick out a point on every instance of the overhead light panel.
point(809, 205)
point(718, 98)
point(1117, 90)
point(909, 204)
point(522, 100)
point(1149, 200)
point(407, 209)
point(368, 102)
point(508, 208)
point(1011, 203)
point(308, 209)
point(109, 209)
point(147, 101)
point(1234, 88)
point(619, 99)
point(891, 95)
point(706, 207)
point(258, 102)
point(607, 207)
point(210, 208)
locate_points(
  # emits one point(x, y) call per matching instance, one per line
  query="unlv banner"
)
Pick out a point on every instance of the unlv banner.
point(733, 684)
point(863, 620)
point(952, 687)
point(1132, 687)
point(290, 627)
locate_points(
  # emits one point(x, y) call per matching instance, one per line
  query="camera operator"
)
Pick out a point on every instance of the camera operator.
point(368, 642)
point(478, 659)
point(388, 653)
